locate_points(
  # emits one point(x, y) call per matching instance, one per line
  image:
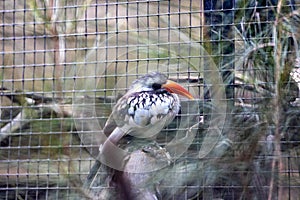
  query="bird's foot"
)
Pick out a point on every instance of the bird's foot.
point(225, 142)
point(158, 153)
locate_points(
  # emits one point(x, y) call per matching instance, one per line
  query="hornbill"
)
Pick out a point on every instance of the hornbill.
point(150, 104)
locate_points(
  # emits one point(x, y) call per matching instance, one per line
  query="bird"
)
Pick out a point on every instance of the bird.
point(149, 105)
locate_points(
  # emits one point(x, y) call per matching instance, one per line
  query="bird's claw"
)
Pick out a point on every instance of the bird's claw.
point(160, 153)
point(227, 142)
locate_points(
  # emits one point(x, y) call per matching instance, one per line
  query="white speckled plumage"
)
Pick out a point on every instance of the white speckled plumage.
point(147, 107)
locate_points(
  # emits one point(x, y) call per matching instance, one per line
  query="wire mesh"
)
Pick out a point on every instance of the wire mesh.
point(65, 64)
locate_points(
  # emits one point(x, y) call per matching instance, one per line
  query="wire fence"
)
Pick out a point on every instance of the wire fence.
point(65, 64)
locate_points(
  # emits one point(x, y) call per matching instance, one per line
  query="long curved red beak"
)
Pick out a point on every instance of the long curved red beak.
point(174, 87)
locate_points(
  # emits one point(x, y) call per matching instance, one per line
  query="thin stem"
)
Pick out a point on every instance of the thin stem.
point(277, 102)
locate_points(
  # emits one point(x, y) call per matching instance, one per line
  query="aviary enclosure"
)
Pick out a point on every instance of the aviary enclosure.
point(65, 63)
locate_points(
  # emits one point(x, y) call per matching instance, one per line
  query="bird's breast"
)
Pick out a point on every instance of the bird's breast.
point(147, 108)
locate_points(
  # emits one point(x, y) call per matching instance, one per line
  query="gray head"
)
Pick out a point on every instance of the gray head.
point(157, 81)
point(148, 82)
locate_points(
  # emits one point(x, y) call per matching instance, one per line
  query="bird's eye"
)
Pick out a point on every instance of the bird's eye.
point(156, 86)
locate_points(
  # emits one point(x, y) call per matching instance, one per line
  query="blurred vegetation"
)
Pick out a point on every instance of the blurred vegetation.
point(61, 59)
